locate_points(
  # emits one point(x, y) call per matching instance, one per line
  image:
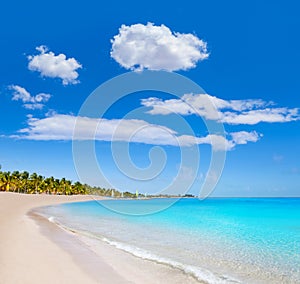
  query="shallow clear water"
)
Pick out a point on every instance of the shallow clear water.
point(217, 240)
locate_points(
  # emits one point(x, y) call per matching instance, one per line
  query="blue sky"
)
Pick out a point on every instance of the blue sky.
point(244, 54)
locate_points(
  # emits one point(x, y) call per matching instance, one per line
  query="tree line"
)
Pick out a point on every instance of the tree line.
point(24, 182)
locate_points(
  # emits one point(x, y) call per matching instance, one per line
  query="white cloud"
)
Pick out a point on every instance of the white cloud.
point(20, 93)
point(61, 127)
point(202, 105)
point(54, 66)
point(33, 106)
point(29, 101)
point(227, 111)
point(261, 115)
point(139, 47)
point(243, 137)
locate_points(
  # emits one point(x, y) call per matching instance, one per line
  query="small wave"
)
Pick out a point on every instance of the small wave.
point(199, 273)
point(51, 219)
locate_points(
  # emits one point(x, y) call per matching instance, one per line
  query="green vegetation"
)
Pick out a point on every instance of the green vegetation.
point(109, 192)
point(23, 182)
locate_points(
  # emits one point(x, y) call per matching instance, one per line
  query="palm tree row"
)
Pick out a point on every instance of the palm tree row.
point(23, 182)
point(110, 192)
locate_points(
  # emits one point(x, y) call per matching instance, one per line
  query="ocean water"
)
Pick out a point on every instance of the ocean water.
point(240, 240)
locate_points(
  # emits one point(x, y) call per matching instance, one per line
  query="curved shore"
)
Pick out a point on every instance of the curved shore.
point(34, 250)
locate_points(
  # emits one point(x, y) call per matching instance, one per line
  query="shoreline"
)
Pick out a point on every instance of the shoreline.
point(35, 250)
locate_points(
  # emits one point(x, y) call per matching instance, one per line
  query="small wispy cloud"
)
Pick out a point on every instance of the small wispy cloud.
point(151, 47)
point(236, 112)
point(54, 66)
point(29, 102)
point(61, 127)
point(268, 115)
point(277, 158)
point(295, 170)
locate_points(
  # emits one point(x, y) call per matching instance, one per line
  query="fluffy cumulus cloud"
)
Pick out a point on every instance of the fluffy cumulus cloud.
point(54, 66)
point(139, 47)
point(29, 101)
point(61, 127)
point(248, 112)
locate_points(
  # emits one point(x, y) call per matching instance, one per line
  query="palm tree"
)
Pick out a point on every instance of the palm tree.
point(41, 184)
point(79, 188)
point(36, 182)
point(7, 181)
point(50, 185)
point(16, 180)
point(68, 187)
point(62, 186)
point(24, 181)
point(56, 186)
point(2, 181)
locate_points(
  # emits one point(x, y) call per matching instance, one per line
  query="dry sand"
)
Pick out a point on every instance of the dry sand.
point(34, 250)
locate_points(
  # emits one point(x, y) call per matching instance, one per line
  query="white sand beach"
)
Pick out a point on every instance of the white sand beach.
point(34, 250)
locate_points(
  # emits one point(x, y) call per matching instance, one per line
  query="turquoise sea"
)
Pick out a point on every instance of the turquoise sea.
point(238, 240)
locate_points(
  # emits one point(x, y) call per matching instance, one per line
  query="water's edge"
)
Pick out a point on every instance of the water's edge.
point(67, 240)
point(82, 243)
point(227, 241)
point(201, 275)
